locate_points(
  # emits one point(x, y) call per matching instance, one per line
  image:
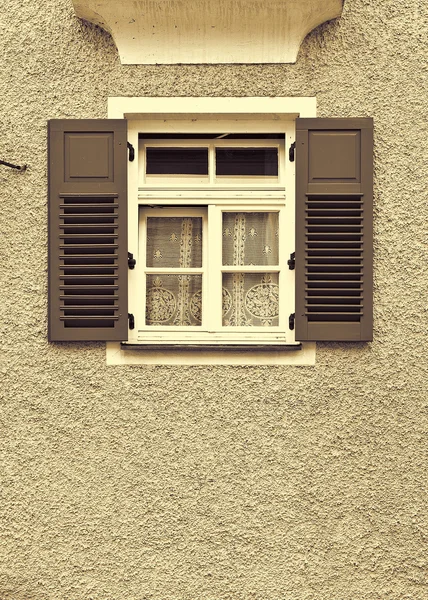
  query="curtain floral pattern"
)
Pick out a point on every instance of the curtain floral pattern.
point(174, 299)
point(248, 299)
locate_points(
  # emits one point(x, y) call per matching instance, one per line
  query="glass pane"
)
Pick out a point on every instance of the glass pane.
point(250, 238)
point(250, 299)
point(174, 242)
point(174, 300)
point(177, 161)
point(247, 161)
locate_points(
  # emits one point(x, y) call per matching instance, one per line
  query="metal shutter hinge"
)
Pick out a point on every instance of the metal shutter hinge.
point(291, 320)
point(292, 261)
point(131, 151)
point(131, 261)
point(131, 321)
point(291, 152)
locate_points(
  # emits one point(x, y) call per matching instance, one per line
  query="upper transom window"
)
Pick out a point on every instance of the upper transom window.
point(220, 160)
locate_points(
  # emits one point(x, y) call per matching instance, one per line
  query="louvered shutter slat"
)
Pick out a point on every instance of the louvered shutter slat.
point(88, 230)
point(334, 229)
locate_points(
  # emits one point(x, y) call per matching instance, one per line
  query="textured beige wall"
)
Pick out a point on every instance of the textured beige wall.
point(222, 483)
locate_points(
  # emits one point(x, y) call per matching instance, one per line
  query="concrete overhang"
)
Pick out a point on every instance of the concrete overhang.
point(208, 31)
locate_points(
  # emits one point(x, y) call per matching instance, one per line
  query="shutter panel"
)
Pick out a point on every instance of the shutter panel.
point(334, 229)
point(88, 268)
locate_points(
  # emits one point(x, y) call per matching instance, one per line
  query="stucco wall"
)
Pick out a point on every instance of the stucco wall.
point(161, 483)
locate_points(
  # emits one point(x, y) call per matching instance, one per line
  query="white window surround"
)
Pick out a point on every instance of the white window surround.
point(207, 32)
point(194, 115)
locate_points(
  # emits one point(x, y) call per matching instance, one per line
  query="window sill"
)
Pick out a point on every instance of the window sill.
point(208, 354)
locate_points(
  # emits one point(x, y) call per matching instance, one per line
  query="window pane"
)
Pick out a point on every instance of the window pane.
point(177, 161)
point(250, 238)
point(247, 161)
point(174, 300)
point(250, 299)
point(174, 242)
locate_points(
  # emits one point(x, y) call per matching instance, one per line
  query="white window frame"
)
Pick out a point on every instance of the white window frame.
point(210, 115)
point(167, 334)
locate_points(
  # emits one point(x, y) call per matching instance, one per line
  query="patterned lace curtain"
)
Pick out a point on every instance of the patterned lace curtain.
point(174, 299)
point(250, 299)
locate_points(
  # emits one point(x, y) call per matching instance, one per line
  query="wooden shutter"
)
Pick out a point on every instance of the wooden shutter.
point(88, 230)
point(334, 252)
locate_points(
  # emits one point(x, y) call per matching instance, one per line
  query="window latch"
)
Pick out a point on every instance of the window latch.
point(291, 151)
point(291, 320)
point(291, 262)
point(131, 261)
point(131, 151)
point(131, 321)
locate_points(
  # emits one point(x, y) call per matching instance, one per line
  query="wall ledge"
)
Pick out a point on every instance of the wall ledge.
point(206, 31)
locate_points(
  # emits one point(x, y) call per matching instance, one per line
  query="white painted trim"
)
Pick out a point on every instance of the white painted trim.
point(238, 114)
point(139, 107)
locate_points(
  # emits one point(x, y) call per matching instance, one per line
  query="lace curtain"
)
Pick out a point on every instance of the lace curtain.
point(174, 299)
point(248, 299)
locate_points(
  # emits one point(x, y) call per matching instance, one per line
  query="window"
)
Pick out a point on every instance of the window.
point(221, 173)
point(214, 235)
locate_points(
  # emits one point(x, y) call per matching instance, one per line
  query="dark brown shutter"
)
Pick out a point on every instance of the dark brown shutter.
point(334, 251)
point(88, 230)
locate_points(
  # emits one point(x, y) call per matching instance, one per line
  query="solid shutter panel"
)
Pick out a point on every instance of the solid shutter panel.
point(334, 229)
point(88, 230)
